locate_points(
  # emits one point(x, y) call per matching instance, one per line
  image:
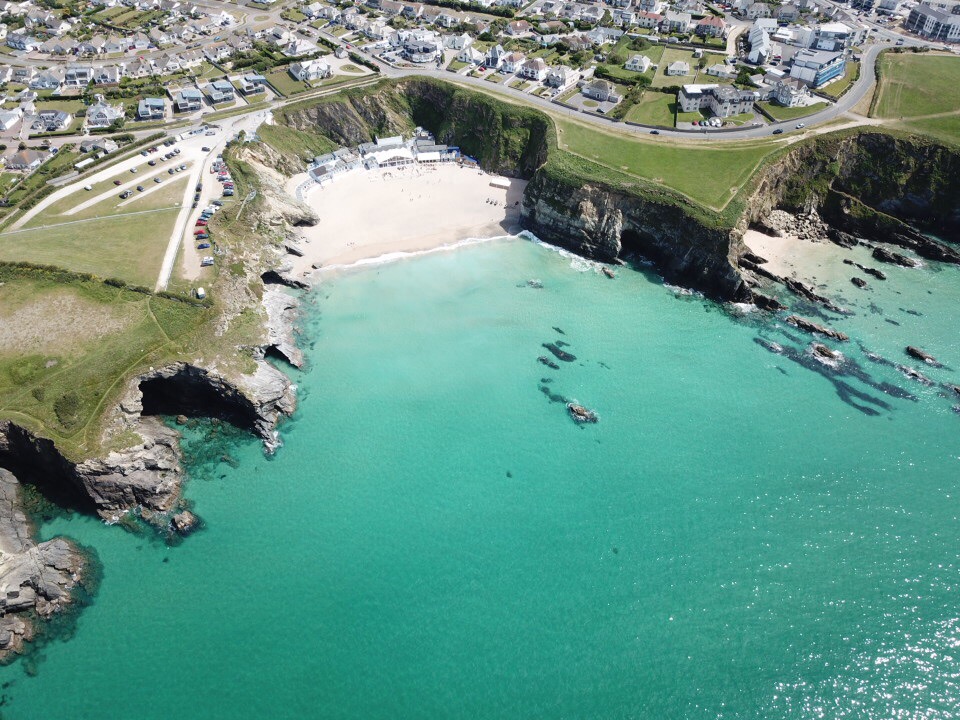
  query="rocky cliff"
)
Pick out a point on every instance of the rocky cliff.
point(605, 223)
point(36, 579)
point(877, 185)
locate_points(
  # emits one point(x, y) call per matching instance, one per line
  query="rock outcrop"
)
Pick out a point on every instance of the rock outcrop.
point(281, 314)
point(36, 579)
point(812, 327)
point(604, 223)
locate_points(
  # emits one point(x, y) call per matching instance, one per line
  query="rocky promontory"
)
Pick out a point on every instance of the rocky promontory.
point(36, 579)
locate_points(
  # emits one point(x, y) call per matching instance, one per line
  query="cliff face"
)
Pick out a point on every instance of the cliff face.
point(606, 224)
point(871, 184)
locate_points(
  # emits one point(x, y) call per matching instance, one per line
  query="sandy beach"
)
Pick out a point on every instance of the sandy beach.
point(369, 214)
point(811, 262)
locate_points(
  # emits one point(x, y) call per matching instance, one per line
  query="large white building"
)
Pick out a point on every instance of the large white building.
point(721, 100)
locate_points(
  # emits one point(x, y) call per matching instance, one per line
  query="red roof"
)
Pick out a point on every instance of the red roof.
point(712, 20)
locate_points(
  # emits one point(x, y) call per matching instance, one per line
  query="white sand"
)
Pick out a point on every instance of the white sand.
point(368, 214)
point(805, 260)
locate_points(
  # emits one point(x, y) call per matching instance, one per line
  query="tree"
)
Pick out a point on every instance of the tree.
point(616, 59)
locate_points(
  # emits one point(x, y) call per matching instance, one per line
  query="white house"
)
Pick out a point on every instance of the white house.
point(638, 63)
point(678, 68)
point(309, 70)
point(534, 69)
point(100, 114)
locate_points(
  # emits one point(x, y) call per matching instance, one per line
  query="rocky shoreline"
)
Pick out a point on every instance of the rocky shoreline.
point(142, 483)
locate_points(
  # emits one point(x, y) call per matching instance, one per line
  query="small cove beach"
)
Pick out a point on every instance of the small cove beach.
point(367, 214)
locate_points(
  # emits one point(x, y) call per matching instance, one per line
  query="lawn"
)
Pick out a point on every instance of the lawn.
point(839, 87)
point(780, 113)
point(671, 55)
point(294, 143)
point(912, 85)
point(709, 173)
point(170, 194)
point(129, 246)
point(621, 73)
point(654, 108)
point(946, 129)
point(494, 77)
point(281, 80)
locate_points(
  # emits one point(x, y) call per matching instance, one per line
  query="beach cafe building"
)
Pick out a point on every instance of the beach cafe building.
point(385, 152)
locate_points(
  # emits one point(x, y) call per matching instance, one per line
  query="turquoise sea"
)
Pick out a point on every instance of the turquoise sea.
point(744, 534)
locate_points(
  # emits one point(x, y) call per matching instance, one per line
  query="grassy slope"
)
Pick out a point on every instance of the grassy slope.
point(654, 108)
point(784, 113)
point(913, 85)
point(129, 246)
point(59, 386)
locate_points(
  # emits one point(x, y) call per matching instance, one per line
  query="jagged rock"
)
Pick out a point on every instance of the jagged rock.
point(841, 238)
point(808, 293)
point(33, 577)
point(181, 420)
point(765, 302)
point(915, 374)
point(277, 277)
point(888, 256)
point(559, 353)
point(293, 248)
point(754, 258)
point(825, 355)
point(859, 282)
point(812, 327)
point(955, 388)
point(281, 313)
point(748, 264)
point(878, 274)
point(184, 523)
point(919, 354)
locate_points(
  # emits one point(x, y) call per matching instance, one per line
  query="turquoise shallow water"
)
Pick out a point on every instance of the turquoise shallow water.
point(438, 539)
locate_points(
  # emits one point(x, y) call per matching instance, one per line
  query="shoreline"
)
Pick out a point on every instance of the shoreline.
point(370, 215)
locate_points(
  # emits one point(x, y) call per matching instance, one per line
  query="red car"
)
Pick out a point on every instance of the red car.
point(200, 231)
point(116, 182)
point(201, 223)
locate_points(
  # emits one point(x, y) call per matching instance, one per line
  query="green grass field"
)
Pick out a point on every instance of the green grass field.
point(68, 345)
point(913, 85)
point(294, 143)
point(128, 246)
point(707, 173)
point(280, 79)
point(946, 129)
point(654, 108)
point(671, 55)
point(784, 113)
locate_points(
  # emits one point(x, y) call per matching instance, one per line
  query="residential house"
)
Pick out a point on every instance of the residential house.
point(624, 18)
point(649, 19)
point(471, 56)
point(159, 37)
point(277, 36)
point(22, 41)
point(494, 57)
point(190, 59)
point(188, 100)
point(790, 93)
point(139, 69)
point(561, 77)
point(100, 144)
point(151, 109)
point(115, 44)
point(166, 64)
point(638, 63)
point(299, 47)
point(139, 42)
point(253, 84)
point(601, 91)
point(6, 72)
point(721, 100)
point(220, 91)
point(77, 75)
point(309, 70)
point(835, 37)
point(93, 46)
point(757, 10)
point(108, 75)
point(518, 27)
point(22, 75)
point(26, 160)
point(722, 70)
point(760, 46)
point(676, 22)
point(313, 10)
point(10, 118)
point(678, 68)
point(712, 26)
point(938, 21)
point(512, 62)
point(787, 13)
point(533, 69)
point(14, 9)
point(217, 52)
point(54, 120)
point(457, 42)
point(101, 115)
point(49, 79)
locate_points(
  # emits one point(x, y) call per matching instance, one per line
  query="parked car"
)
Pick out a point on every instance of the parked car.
point(158, 179)
point(171, 171)
point(205, 149)
point(144, 153)
point(116, 182)
point(218, 203)
point(203, 246)
point(125, 194)
point(778, 131)
point(152, 163)
point(88, 188)
point(654, 132)
point(201, 223)
point(139, 188)
point(199, 186)
point(133, 169)
point(801, 125)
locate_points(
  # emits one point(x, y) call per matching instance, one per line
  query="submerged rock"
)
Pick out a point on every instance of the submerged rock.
point(560, 354)
point(808, 293)
point(544, 360)
point(765, 302)
point(914, 374)
point(812, 327)
point(923, 355)
point(580, 414)
point(184, 523)
point(894, 258)
point(859, 282)
point(826, 355)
